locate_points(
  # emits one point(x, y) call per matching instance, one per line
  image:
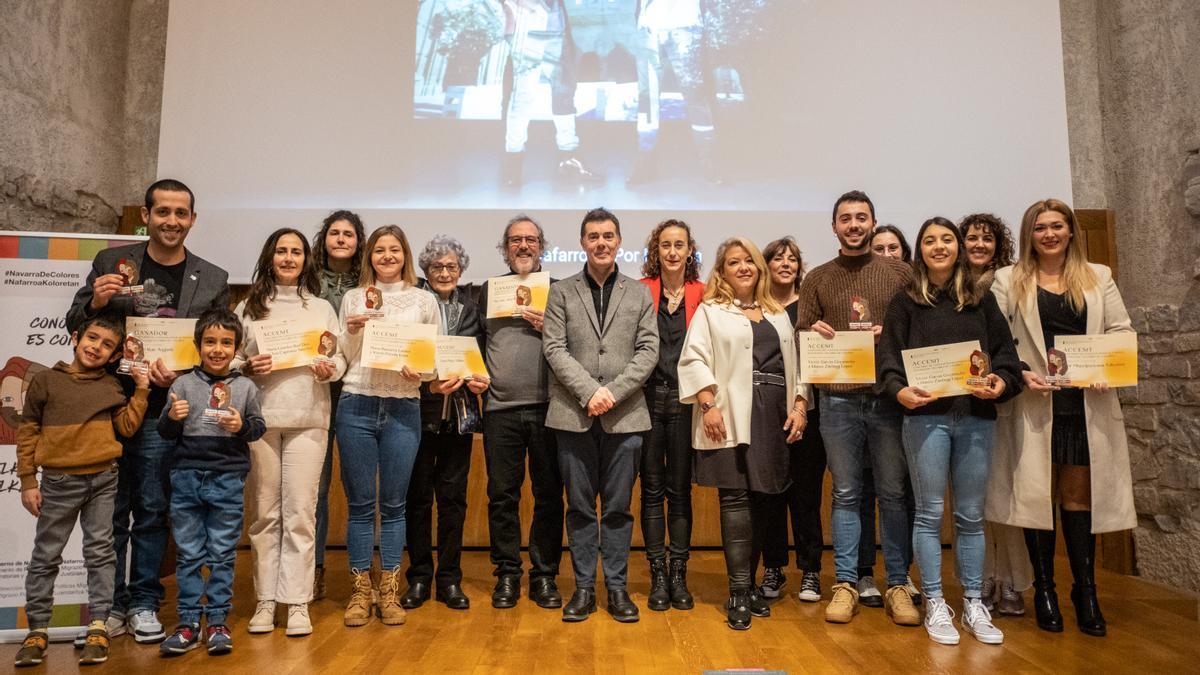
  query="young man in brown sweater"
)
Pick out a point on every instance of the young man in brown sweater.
point(852, 292)
point(67, 429)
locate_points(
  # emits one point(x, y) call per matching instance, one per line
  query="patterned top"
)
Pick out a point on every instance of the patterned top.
point(401, 303)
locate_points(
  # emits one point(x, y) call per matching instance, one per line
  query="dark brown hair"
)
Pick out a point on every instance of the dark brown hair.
point(262, 284)
point(653, 266)
point(991, 224)
point(787, 244)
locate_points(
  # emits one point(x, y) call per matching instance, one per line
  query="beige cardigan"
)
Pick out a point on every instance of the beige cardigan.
point(1019, 486)
point(718, 350)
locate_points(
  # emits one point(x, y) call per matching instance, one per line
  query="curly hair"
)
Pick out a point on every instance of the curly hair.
point(652, 268)
point(994, 226)
point(439, 246)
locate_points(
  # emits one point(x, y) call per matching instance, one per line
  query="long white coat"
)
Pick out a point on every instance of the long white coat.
point(719, 350)
point(1019, 487)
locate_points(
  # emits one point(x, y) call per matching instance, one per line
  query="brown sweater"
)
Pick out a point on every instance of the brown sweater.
point(69, 419)
point(827, 292)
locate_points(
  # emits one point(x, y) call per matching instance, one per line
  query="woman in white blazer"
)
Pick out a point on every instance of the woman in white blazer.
point(1060, 445)
point(738, 366)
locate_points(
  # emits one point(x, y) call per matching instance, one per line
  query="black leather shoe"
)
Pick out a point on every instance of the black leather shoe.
point(621, 606)
point(737, 611)
point(416, 595)
point(453, 596)
point(759, 605)
point(582, 604)
point(508, 589)
point(681, 598)
point(544, 592)
point(660, 587)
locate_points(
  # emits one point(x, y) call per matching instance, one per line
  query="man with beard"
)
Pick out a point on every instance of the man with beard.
point(513, 427)
point(178, 284)
point(858, 426)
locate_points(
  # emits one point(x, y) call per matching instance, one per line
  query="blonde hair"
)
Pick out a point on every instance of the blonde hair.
point(718, 291)
point(1077, 275)
point(408, 272)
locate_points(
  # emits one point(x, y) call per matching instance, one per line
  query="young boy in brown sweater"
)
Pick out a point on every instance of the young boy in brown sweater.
point(67, 429)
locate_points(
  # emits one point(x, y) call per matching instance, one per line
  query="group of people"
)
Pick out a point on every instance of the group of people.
point(667, 377)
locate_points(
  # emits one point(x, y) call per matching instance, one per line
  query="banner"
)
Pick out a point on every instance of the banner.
point(39, 274)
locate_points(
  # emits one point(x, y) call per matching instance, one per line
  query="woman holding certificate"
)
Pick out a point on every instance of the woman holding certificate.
point(282, 314)
point(948, 437)
point(379, 420)
point(1058, 444)
point(738, 366)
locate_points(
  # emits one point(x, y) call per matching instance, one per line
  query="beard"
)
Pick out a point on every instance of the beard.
point(864, 244)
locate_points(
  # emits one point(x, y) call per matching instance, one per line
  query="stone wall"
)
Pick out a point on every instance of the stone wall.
point(80, 97)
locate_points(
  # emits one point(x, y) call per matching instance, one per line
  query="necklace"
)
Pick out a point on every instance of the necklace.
point(753, 304)
point(673, 297)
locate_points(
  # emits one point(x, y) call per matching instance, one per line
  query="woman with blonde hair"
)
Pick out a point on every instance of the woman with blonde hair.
point(738, 366)
point(1057, 444)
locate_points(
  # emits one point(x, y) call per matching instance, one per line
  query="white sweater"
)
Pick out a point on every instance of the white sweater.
point(401, 303)
point(292, 398)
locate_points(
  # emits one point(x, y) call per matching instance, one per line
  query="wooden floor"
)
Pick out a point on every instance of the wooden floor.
point(1151, 629)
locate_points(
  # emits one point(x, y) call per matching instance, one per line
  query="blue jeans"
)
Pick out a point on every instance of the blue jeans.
point(957, 447)
point(142, 484)
point(206, 519)
point(378, 438)
point(859, 429)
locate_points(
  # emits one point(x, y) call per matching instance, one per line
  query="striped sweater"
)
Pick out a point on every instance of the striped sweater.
point(70, 422)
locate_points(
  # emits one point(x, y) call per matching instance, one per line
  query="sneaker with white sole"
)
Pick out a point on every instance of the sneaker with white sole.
point(939, 622)
point(868, 593)
point(810, 587)
point(115, 625)
point(988, 593)
point(1011, 602)
point(185, 638)
point(977, 620)
point(773, 582)
point(298, 622)
point(145, 627)
point(217, 640)
point(263, 620)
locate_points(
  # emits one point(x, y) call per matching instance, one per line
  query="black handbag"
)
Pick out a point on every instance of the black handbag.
point(468, 415)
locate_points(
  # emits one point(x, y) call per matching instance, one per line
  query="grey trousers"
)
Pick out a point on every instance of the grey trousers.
point(65, 498)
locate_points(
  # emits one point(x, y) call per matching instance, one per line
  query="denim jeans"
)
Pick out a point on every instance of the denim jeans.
point(957, 447)
point(378, 439)
point(667, 475)
point(206, 519)
point(859, 429)
point(335, 394)
point(142, 488)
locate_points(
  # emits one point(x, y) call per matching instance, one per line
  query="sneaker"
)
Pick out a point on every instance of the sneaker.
point(843, 605)
point(218, 640)
point(185, 638)
point(1011, 602)
point(939, 622)
point(95, 648)
point(988, 593)
point(868, 593)
point(977, 620)
point(913, 591)
point(900, 607)
point(773, 582)
point(145, 627)
point(810, 587)
point(263, 620)
point(298, 622)
point(115, 625)
point(759, 606)
point(33, 649)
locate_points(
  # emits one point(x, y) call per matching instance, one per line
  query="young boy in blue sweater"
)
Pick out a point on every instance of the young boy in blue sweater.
point(212, 415)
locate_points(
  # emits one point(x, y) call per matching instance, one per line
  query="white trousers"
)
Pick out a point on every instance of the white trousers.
point(1005, 556)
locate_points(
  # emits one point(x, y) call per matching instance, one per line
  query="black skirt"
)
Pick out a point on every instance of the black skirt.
point(1069, 441)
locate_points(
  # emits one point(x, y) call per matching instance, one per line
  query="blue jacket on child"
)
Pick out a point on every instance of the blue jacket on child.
point(200, 442)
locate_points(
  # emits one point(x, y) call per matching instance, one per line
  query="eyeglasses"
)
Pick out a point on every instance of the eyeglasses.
point(517, 240)
point(451, 268)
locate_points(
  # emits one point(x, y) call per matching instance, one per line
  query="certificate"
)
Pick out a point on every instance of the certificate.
point(459, 356)
point(508, 296)
point(172, 340)
point(392, 345)
point(1084, 360)
point(847, 358)
point(293, 343)
point(944, 370)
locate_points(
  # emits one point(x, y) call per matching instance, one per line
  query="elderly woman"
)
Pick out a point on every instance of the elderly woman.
point(738, 367)
point(444, 456)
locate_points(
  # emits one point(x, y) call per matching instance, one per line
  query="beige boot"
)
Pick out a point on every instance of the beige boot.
point(359, 609)
point(390, 611)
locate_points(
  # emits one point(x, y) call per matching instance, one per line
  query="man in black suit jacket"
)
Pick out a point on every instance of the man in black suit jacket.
point(173, 283)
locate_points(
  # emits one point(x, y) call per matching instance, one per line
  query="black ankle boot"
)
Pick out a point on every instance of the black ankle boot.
point(681, 598)
point(1081, 551)
point(1045, 599)
point(660, 586)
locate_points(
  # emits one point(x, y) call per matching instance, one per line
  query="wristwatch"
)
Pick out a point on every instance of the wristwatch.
point(705, 407)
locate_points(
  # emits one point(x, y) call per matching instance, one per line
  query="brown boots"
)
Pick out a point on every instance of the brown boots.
point(390, 611)
point(359, 609)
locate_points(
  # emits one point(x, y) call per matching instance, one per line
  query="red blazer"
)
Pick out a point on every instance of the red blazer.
point(693, 295)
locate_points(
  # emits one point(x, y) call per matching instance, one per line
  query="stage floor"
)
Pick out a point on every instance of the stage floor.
point(1151, 629)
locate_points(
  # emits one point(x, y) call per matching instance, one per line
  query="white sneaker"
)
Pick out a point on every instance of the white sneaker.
point(263, 620)
point(145, 627)
point(939, 622)
point(868, 593)
point(298, 621)
point(115, 625)
point(977, 620)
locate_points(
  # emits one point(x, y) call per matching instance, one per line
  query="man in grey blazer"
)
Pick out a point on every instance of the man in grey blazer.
point(167, 281)
point(601, 341)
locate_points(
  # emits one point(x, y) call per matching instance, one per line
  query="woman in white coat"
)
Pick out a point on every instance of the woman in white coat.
point(1060, 444)
point(738, 366)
